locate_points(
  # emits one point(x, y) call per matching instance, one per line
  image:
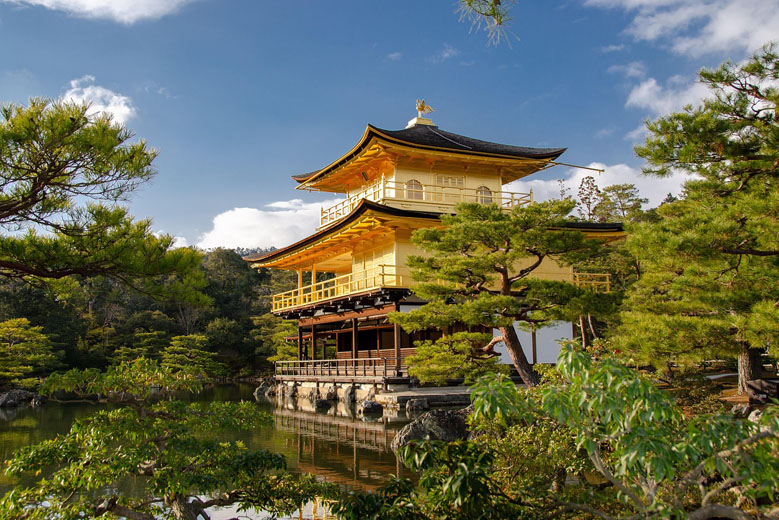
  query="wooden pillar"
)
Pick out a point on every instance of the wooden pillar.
point(378, 340)
point(533, 343)
point(313, 341)
point(354, 338)
point(300, 342)
point(397, 344)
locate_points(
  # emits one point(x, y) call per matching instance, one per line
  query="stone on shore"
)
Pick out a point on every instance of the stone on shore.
point(16, 397)
point(435, 425)
point(416, 406)
point(322, 405)
point(348, 395)
point(371, 408)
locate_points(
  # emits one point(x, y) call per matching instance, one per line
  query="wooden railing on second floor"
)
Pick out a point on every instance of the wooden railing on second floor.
point(388, 276)
point(344, 285)
point(423, 194)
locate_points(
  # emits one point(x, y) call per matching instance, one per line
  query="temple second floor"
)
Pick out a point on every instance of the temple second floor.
point(365, 253)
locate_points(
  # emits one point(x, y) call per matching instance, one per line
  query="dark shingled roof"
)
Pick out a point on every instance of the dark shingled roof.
point(433, 136)
point(427, 136)
point(596, 226)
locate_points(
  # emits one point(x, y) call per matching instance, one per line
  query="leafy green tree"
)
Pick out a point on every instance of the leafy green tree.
point(662, 465)
point(453, 356)
point(53, 156)
point(145, 344)
point(480, 273)
point(190, 353)
point(230, 339)
point(23, 350)
point(62, 322)
point(596, 440)
point(231, 284)
point(271, 333)
point(185, 468)
point(589, 197)
point(619, 203)
point(186, 301)
point(710, 275)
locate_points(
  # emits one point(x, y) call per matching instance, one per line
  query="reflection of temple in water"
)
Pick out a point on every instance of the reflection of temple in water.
point(341, 450)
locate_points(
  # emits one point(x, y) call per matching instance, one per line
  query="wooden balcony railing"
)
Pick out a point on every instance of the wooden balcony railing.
point(423, 194)
point(598, 282)
point(344, 285)
point(360, 367)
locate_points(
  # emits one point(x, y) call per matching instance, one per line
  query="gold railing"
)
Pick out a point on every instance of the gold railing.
point(424, 194)
point(598, 282)
point(344, 285)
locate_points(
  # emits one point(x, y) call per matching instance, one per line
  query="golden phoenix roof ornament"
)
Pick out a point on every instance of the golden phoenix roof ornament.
point(423, 108)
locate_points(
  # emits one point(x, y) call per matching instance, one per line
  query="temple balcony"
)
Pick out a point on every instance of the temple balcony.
point(421, 197)
point(382, 276)
point(388, 276)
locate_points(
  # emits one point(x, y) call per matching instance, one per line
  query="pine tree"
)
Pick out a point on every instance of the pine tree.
point(189, 353)
point(480, 274)
point(710, 279)
point(23, 349)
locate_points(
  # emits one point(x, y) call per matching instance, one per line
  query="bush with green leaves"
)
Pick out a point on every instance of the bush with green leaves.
point(600, 441)
point(189, 353)
point(23, 350)
point(171, 448)
point(453, 356)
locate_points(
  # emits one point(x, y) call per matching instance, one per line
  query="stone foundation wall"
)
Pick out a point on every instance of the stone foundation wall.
point(342, 392)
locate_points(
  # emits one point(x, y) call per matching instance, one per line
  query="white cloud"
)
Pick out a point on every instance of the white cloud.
point(394, 56)
point(612, 48)
point(101, 99)
point(604, 132)
point(634, 69)
point(638, 134)
point(122, 11)
point(659, 99)
point(698, 27)
point(284, 223)
point(653, 188)
point(444, 54)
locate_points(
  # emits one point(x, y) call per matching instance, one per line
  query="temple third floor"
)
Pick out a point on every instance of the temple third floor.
point(424, 191)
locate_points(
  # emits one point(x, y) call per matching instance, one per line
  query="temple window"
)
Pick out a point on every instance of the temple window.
point(484, 195)
point(414, 190)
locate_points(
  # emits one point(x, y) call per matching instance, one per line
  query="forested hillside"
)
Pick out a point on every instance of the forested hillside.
point(96, 322)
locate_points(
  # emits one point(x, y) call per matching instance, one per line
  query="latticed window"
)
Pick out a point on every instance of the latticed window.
point(450, 181)
point(484, 195)
point(414, 190)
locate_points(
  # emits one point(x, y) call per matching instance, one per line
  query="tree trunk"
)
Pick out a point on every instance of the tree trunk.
point(748, 366)
point(584, 332)
point(525, 370)
point(182, 509)
point(592, 327)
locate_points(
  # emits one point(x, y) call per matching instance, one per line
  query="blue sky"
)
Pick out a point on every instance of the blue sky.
point(237, 95)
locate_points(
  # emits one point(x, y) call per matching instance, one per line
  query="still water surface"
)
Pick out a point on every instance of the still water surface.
point(336, 446)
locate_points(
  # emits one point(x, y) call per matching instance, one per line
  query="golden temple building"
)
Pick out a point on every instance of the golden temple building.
point(393, 182)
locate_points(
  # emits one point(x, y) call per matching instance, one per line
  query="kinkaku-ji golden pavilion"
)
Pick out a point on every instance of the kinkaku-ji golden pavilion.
point(394, 182)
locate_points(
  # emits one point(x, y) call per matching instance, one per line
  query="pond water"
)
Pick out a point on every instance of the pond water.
point(337, 446)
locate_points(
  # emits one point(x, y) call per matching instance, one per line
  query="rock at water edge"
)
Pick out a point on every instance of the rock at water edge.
point(435, 425)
